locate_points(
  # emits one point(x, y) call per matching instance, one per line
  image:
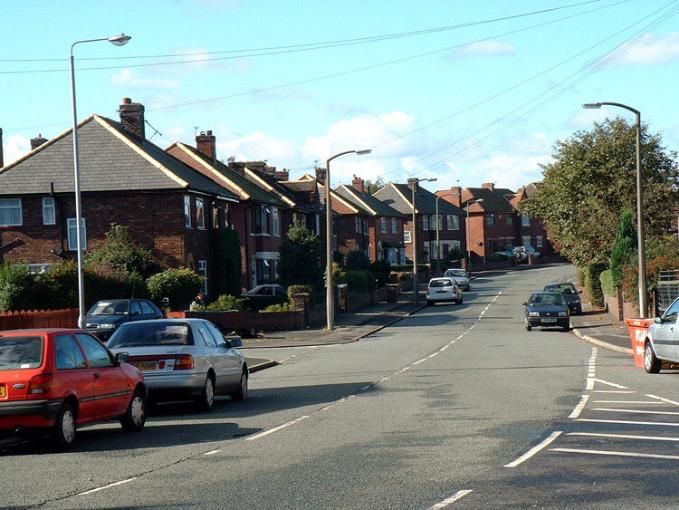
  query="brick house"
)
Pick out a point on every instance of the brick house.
point(385, 224)
point(450, 220)
point(351, 231)
point(531, 231)
point(125, 179)
point(259, 217)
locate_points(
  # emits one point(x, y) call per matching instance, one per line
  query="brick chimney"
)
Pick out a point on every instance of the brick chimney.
point(2, 157)
point(320, 175)
point(37, 141)
point(488, 185)
point(453, 196)
point(132, 118)
point(282, 175)
point(206, 144)
point(358, 184)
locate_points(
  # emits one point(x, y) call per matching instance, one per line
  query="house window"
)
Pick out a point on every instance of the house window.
point(200, 213)
point(383, 229)
point(215, 217)
point(10, 212)
point(510, 219)
point(406, 236)
point(490, 219)
point(187, 211)
point(425, 222)
point(72, 234)
point(261, 217)
point(276, 225)
point(525, 220)
point(394, 227)
point(49, 216)
point(357, 224)
point(453, 222)
point(538, 241)
point(202, 271)
point(526, 240)
point(365, 226)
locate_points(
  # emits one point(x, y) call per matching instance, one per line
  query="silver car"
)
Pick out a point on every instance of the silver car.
point(460, 276)
point(184, 358)
point(662, 341)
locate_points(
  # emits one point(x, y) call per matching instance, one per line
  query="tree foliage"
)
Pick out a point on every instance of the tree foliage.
point(593, 178)
point(356, 260)
point(625, 239)
point(300, 258)
point(119, 253)
point(227, 270)
point(180, 286)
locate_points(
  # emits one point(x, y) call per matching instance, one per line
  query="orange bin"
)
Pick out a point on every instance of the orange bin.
point(637, 333)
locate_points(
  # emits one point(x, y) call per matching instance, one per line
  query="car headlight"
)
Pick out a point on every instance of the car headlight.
point(106, 326)
point(563, 314)
point(533, 314)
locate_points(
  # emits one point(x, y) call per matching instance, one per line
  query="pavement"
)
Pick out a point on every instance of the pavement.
point(597, 327)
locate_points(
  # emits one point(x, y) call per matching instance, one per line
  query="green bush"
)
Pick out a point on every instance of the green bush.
point(381, 269)
point(359, 281)
point(580, 274)
point(180, 286)
point(593, 284)
point(282, 307)
point(607, 283)
point(224, 303)
point(302, 289)
point(356, 260)
point(119, 252)
point(17, 287)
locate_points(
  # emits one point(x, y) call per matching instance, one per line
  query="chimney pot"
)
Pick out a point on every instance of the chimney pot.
point(358, 184)
point(132, 118)
point(37, 141)
point(127, 100)
point(488, 185)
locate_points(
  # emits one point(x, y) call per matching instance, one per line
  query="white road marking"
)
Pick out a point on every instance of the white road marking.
point(463, 334)
point(366, 387)
point(404, 369)
point(549, 440)
point(444, 347)
point(213, 452)
point(419, 361)
point(433, 355)
point(578, 408)
point(614, 385)
point(616, 454)
point(114, 484)
point(452, 499)
point(666, 400)
point(630, 422)
point(635, 402)
point(616, 391)
point(276, 429)
point(623, 436)
point(383, 379)
point(639, 411)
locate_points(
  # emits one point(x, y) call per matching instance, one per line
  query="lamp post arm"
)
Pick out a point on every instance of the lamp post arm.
point(621, 105)
point(87, 41)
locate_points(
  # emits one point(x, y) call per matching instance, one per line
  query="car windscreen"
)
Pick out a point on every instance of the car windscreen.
point(549, 299)
point(459, 273)
point(110, 308)
point(440, 283)
point(20, 352)
point(566, 288)
point(144, 333)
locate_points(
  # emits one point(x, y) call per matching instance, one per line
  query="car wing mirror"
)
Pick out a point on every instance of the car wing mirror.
point(233, 342)
point(525, 303)
point(122, 357)
point(658, 320)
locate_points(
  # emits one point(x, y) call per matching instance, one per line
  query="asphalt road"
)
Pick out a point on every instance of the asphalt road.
point(445, 409)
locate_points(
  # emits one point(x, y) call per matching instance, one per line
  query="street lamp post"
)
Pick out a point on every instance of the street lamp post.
point(643, 301)
point(117, 40)
point(413, 186)
point(469, 249)
point(330, 295)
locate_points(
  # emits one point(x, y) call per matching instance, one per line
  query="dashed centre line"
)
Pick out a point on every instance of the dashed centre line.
point(104, 487)
point(452, 499)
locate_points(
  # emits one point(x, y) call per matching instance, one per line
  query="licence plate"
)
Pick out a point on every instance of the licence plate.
point(3, 391)
point(442, 292)
point(146, 366)
point(548, 320)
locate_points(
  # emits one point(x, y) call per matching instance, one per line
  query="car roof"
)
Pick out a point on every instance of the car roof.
point(441, 278)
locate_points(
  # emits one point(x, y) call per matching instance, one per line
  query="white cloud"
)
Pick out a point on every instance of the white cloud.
point(258, 146)
point(585, 119)
point(15, 147)
point(486, 48)
point(127, 78)
point(652, 49)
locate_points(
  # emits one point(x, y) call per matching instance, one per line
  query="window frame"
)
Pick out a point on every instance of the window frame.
point(200, 213)
point(187, 212)
point(275, 222)
point(407, 237)
point(46, 200)
point(202, 270)
point(19, 205)
point(525, 220)
point(72, 239)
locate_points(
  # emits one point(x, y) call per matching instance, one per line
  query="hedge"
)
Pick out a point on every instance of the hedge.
point(607, 284)
point(180, 286)
point(592, 283)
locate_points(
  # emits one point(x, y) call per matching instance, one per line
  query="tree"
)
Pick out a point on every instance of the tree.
point(592, 179)
point(625, 239)
point(180, 286)
point(300, 258)
point(371, 187)
point(227, 262)
point(119, 252)
point(356, 260)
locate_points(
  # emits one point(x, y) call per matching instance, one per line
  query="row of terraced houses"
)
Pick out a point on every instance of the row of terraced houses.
point(174, 200)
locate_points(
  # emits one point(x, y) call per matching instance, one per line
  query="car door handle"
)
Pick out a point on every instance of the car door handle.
point(97, 375)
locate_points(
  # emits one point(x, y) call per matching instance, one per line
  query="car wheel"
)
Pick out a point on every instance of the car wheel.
point(651, 363)
point(566, 328)
point(207, 398)
point(135, 417)
point(528, 327)
point(461, 300)
point(242, 392)
point(64, 429)
point(429, 303)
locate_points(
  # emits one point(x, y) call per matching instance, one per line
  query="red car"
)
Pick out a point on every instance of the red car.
point(59, 379)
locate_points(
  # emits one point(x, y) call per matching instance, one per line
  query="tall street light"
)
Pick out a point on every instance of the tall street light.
point(643, 301)
point(117, 40)
point(469, 249)
point(438, 228)
point(330, 294)
point(413, 186)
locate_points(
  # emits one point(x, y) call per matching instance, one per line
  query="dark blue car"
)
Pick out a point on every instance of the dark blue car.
point(106, 315)
point(547, 309)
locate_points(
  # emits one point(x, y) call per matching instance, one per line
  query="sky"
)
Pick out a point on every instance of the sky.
point(460, 91)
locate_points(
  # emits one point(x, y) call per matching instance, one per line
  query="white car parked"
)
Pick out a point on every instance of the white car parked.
point(662, 341)
point(443, 289)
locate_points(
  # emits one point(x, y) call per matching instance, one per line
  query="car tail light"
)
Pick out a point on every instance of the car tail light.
point(40, 384)
point(183, 362)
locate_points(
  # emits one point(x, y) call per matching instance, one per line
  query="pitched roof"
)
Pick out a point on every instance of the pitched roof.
point(494, 201)
point(398, 196)
point(110, 160)
point(367, 201)
point(228, 177)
